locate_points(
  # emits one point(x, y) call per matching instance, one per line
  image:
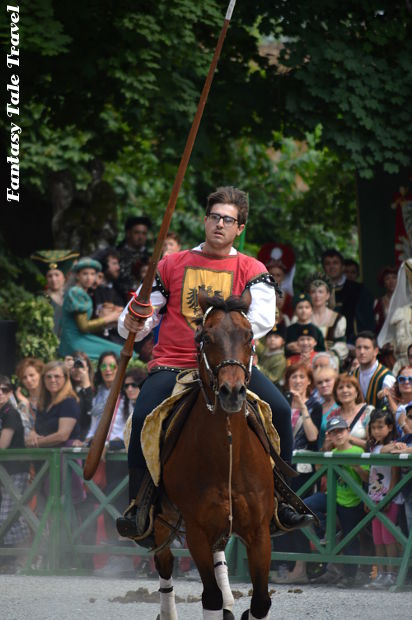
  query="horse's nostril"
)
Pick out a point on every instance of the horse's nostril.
point(242, 391)
point(224, 390)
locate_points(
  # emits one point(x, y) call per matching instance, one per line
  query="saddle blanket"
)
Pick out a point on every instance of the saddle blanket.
point(152, 434)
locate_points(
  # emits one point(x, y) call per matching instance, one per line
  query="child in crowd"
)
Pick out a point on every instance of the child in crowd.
point(302, 305)
point(404, 446)
point(306, 343)
point(271, 355)
point(349, 507)
point(382, 478)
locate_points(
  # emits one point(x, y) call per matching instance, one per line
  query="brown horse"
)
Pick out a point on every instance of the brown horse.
point(219, 476)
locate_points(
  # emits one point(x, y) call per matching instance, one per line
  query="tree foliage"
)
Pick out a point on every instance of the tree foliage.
point(33, 312)
point(121, 81)
point(348, 66)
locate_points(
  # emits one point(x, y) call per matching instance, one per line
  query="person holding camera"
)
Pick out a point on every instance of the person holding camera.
point(29, 371)
point(81, 376)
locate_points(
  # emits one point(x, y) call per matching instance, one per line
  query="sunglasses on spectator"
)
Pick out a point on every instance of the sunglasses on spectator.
point(409, 416)
point(402, 379)
point(107, 366)
point(129, 385)
point(4, 389)
point(53, 376)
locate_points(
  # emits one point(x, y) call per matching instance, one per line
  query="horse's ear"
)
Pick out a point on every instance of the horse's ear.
point(203, 299)
point(247, 297)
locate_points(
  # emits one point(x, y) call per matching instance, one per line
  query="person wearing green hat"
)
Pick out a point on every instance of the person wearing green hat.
point(55, 265)
point(78, 330)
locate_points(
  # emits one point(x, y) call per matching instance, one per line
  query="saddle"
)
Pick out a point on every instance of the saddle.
point(161, 431)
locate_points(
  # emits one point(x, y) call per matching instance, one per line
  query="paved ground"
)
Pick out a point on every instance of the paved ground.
point(92, 598)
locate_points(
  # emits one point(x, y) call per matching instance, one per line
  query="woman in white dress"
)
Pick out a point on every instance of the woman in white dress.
point(331, 323)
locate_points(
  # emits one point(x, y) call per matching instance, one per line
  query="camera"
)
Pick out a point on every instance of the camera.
point(78, 363)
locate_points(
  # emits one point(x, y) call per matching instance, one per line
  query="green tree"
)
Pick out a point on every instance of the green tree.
point(348, 66)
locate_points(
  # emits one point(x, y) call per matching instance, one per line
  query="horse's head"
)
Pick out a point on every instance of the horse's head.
point(225, 348)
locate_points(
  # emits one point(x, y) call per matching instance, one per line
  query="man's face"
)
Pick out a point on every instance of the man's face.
point(55, 279)
point(277, 273)
point(351, 272)
point(303, 311)
point(389, 282)
point(137, 236)
point(220, 236)
point(333, 267)
point(113, 267)
point(366, 353)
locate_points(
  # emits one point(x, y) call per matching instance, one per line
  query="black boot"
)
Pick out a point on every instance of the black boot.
point(291, 513)
point(137, 521)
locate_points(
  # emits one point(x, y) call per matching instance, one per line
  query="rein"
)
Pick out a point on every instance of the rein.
point(213, 374)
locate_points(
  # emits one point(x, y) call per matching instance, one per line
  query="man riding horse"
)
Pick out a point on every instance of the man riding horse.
point(216, 267)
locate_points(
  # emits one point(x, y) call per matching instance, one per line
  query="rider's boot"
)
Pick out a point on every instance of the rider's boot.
point(290, 511)
point(137, 520)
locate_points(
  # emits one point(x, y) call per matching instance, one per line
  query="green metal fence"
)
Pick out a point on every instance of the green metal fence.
point(64, 527)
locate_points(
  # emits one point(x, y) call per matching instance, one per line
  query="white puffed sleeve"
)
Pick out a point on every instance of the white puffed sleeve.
point(262, 310)
point(158, 300)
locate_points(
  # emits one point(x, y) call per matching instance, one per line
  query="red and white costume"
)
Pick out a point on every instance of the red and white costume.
point(177, 283)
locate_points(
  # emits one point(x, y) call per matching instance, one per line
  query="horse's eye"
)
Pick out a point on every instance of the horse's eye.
point(206, 339)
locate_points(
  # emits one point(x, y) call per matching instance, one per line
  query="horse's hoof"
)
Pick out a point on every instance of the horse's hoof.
point(245, 615)
point(227, 615)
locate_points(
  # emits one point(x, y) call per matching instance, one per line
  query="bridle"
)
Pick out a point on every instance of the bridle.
point(213, 373)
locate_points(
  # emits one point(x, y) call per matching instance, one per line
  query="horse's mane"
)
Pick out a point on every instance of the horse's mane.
point(231, 304)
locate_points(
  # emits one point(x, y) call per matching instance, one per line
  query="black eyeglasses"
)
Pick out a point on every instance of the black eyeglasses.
point(4, 389)
point(402, 379)
point(227, 220)
point(129, 385)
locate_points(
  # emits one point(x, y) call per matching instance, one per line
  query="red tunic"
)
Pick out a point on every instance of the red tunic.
point(181, 275)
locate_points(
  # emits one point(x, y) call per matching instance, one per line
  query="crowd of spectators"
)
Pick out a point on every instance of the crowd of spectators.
point(339, 357)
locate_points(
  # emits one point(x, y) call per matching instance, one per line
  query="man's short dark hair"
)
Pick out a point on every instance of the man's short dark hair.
point(4, 380)
point(331, 253)
point(136, 220)
point(230, 196)
point(368, 335)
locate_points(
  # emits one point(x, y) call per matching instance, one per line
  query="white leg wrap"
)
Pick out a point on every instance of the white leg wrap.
point(208, 614)
point(167, 600)
point(253, 617)
point(222, 578)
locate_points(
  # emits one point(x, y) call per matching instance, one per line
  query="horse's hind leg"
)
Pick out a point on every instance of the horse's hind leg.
point(258, 553)
point(212, 599)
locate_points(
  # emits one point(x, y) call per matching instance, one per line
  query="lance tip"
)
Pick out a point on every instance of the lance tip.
point(230, 10)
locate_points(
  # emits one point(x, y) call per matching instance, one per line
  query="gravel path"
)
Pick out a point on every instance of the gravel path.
point(93, 598)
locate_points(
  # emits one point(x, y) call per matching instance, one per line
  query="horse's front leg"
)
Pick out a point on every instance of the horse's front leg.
point(164, 565)
point(222, 578)
point(200, 549)
point(258, 553)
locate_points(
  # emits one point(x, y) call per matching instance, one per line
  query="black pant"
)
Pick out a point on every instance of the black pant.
point(159, 385)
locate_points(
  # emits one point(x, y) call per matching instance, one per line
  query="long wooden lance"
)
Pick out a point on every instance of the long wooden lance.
point(140, 306)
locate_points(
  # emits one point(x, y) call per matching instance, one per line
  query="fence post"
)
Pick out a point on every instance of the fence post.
point(55, 512)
